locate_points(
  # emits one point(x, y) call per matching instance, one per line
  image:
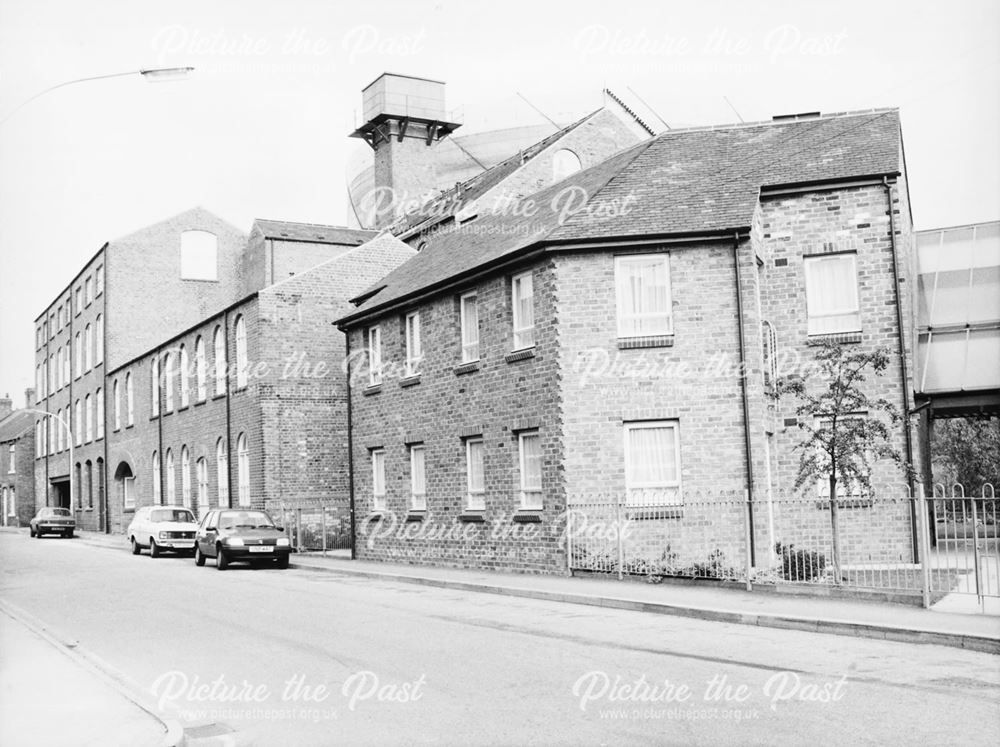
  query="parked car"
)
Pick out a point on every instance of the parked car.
point(240, 534)
point(161, 528)
point(52, 520)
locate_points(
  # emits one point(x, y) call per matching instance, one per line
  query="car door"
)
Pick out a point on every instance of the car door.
point(207, 532)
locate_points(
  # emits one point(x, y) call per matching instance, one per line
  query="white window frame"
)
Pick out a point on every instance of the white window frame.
point(243, 469)
point(12, 459)
point(154, 380)
point(627, 320)
point(847, 306)
point(157, 480)
point(78, 422)
point(168, 382)
point(88, 414)
point(128, 492)
point(204, 502)
point(79, 354)
point(418, 488)
point(637, 500)
point(475, 497)
point(171, 479)
point(185, 382)
point(99, 280)
point(378, 479)
point(222, 472)
point(129, 400)
point(219, 343)
point(847, 491)
point(374, 355)
point(414, 344)
point(523, 330)
point(116, 393)
point(201, 369)
point(99, 340)
point(88, 290)
point(469, 330)
point(185, 477)
point(530, 495)
point(99, 407)
point(242, 364)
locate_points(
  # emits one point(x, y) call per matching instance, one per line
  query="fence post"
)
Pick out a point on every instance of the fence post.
point(923, 526)
point(569, 542)
point(747, 539)
point(322, 512)
point(621, 540)
point(975, 551)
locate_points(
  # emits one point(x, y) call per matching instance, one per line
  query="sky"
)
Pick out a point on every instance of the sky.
point(259, 130)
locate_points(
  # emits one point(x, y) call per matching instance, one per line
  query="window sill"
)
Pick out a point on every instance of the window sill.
point(472, 517)
point(409, 381)
point(466, 368)
point(373, 389)
point(416, 515)
point(839, 337)
point(649, 341)
point(220, 395)
point(520, 355)
point(199, 402)
point(528, 516)
point(182, 408)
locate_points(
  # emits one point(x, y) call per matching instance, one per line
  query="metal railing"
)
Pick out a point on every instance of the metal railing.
point(317, 528)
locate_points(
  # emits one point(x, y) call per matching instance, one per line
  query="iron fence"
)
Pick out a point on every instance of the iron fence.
point(317, 528)
point(929, 547)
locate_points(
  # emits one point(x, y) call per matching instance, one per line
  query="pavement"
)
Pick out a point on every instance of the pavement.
point(51, 696)
point(765, 608)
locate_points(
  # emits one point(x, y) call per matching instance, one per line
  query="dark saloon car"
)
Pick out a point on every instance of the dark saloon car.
point(233, 534)
point(52, 520)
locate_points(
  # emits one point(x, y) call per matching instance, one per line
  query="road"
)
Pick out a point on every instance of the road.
point(301, 657)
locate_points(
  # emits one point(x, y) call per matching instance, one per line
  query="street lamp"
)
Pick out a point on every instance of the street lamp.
point(153, 75)
point(65, 423)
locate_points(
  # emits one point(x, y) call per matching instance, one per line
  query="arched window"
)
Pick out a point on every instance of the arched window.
point(38, 439)
point(88, 351)
point(78, 422)
point(99, 340)
point(241, 352)
point(222, 469)
point(50, 440)
point(60, 431)
point(154, 382)
point(78, 341)
point(157, 495)
point(243, 469)
point(168, 383)
point(185, 381)
point(116, 395)
point(186, 477)
point(201, 467)
point(200, 369)
point(564, 163)
point(52, 373)
point(90, 483)
point(100, 481)
point(99, 405)
point(171, 485)
point(199, 250)
point(220, 361)
point(66, 374)
point(88, 414)
point(78, 475)
point(129, 400)
point(59, 367)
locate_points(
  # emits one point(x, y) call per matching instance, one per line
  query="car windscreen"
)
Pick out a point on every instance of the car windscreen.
point(244, 520)
point(59, 512)
point(171, 514)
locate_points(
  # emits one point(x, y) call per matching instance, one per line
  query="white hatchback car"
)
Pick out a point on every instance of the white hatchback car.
point(162, 528)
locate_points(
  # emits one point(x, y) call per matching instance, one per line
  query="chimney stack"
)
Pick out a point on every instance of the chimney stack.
point(6, 406)
point(29, 397)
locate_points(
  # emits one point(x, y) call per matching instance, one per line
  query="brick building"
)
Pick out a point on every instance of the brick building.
point(524, 361)
point(17, 462)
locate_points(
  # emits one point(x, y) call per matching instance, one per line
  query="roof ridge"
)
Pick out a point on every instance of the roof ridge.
point(316, 225)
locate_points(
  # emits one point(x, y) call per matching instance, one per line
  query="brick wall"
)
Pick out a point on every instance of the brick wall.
point(22, 481)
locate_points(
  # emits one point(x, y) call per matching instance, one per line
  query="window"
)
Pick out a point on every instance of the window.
point(100, 481)
point(374, 356)
point(171, 485)
point(90, 483)
point(128, 492)
point(847, 488)
point(99, 279)
point(203, 502)
point(59, 316)
point(524, 311)
point(79, 486)
point(241, 352)
point(88, 285)
point(50, 440)
point(59, 367)
point(378, 480)
point(469, 317)
point(89, 415)
point(185, 380)
point(185, 477)
point(243, 469)
point(129, 400)
point(652, 464)
point(199, 250)
point(60, 430)
point(530, 452)
point(116, 395)
point(53, 386)
point(220, 361)
point(168, 383)
point(99, 414)
point(157, 480)
point(11, 459)
point(78, 422)
point(414, 348)
point(642, 284)
point(99, 340)
point(79, 299)
point(200, 369)
point(832, 294)
point(418, 480)
point(38, 439)
point(88, 350)
point(66, 374)
point(78, 354)
point(564, 163)
point(475, 477)
point(222, 469)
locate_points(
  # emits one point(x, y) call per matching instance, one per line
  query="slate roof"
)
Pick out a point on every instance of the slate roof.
point(683, 182)
point(312, 232)
point(16, 424)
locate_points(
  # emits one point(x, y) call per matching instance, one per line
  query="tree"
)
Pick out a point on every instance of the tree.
point(970, 451)
point(844, 430)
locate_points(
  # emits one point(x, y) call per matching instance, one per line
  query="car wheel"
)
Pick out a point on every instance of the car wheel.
point(283, 562)
point(135, 546)
point(221, 561)
point(154, 549)
point(199, 559)
point(68, 535)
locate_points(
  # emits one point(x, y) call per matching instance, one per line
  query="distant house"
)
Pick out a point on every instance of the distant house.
point(17, 463)
point(590, 342)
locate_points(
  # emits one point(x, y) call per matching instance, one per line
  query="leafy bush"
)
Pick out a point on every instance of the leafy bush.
point(715, 567)
point(798, 564)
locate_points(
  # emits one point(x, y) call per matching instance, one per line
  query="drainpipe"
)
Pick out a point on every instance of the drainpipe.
point(159, 427)
point(904, 378)
point(743, 391)
point(229, 428)
point(350, 444)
